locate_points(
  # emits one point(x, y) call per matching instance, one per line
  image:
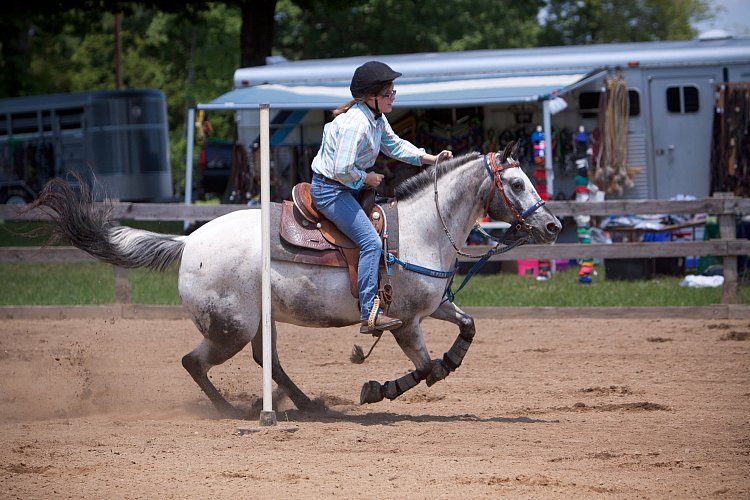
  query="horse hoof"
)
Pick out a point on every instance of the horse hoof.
point(371, 392)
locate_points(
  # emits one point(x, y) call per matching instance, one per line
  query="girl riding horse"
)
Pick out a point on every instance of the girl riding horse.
point(350, 146)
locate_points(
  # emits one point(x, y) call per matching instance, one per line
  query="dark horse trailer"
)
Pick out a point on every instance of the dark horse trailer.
point(117, 137)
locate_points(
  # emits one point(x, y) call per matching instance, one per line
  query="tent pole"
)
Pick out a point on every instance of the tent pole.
point(189, 162)
point(548, 148)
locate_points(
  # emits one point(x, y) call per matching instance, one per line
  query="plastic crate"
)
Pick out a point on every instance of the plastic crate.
point(528, 268)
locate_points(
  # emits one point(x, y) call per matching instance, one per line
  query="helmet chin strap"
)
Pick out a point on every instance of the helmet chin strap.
point(376, 110)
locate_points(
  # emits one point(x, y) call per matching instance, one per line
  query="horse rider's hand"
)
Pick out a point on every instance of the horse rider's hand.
point(373, 179)
point(445, 155)
point(432, 159)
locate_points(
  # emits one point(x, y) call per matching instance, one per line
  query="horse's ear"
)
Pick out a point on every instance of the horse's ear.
point(514, 152)
point(506, 151)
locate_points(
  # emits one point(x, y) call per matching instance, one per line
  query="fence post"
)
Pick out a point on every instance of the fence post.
point(728, 231)
point(122, 287)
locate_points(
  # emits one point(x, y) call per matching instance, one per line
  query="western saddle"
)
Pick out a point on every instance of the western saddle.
point(304, 227)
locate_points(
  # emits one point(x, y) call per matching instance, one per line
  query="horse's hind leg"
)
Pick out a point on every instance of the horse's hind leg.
point(201, 359)
point(299, 398)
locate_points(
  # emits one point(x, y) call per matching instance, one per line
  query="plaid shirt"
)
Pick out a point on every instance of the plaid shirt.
point(351, 143)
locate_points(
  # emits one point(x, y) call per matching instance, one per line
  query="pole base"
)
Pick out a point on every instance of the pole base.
point(267, 418)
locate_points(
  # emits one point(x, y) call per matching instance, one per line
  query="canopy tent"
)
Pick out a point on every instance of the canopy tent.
point(412, 92)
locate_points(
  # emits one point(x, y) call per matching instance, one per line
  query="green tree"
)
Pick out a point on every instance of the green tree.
point(580, 22)
point(338, 29)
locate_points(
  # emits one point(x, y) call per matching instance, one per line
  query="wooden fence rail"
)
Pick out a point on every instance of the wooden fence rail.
point(727, 208)
point(166, 212)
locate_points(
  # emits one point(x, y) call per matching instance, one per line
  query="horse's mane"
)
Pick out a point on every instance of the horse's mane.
point(426, 177)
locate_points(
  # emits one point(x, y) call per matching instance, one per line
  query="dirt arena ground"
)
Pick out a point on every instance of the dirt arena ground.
point(540, 409)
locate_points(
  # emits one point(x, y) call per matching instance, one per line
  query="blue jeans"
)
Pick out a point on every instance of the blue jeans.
point(338, 203)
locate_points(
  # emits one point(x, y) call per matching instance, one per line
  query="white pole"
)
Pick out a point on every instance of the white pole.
point(189, 161)
point(267, 416)
point(548, 150)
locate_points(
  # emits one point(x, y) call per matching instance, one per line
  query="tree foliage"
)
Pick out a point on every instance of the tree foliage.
point(338, 29)
point(580, 22)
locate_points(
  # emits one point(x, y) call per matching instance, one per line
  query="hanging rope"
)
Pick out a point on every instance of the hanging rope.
point(611, 173)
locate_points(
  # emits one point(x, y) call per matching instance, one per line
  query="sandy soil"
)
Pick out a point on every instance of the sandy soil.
point(540, 409)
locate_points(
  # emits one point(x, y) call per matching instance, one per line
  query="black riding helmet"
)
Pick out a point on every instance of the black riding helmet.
point(368, 77)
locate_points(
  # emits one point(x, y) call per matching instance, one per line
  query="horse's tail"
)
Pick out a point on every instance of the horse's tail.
point(90, 227)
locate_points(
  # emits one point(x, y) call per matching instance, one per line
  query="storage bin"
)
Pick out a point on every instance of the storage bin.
point(528, 267)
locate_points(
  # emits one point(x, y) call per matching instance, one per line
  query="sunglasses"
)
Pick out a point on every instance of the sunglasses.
point(390, 95)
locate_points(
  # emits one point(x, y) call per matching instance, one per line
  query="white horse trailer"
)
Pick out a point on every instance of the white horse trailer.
point(671, 87)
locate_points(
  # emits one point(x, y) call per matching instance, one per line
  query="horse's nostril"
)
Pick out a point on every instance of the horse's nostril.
point(553, 228)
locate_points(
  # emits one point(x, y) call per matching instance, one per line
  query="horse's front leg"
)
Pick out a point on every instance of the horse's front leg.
point(410, 339)
point(441, 368)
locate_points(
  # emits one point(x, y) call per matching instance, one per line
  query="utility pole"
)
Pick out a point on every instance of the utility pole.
point(118, 50)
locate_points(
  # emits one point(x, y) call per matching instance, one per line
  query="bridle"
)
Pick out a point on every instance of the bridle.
point(494, 171)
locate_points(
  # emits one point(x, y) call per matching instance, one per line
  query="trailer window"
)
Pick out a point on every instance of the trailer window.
point(588, 103)
point(690, 96)
point(24, 123)
point(70, 118)
point(683, 99)
point(634, 98)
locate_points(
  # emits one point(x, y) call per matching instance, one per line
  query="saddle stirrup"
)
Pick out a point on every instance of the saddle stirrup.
point(373, 314)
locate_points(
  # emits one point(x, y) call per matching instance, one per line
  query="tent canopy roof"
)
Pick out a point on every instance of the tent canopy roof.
point(412, 92)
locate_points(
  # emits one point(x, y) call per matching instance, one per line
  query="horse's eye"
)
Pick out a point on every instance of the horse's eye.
point(517, 185)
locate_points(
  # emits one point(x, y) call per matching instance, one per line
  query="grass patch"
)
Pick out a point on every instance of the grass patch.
point(150, 287)
point(93, 283)
point(23, 234)
point(563, 290)
point(82, 284)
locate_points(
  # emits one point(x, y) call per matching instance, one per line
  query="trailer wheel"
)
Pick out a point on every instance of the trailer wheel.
point(15, 197)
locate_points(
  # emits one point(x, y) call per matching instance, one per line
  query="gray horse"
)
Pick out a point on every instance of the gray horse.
point(220, 269)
